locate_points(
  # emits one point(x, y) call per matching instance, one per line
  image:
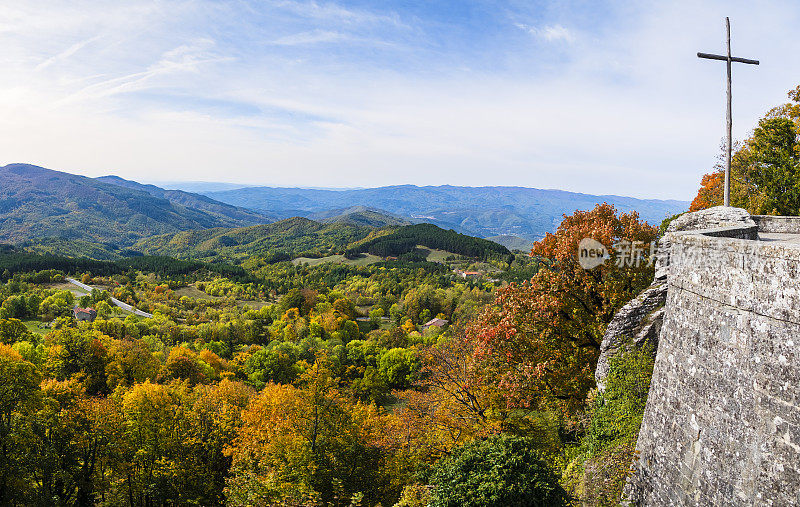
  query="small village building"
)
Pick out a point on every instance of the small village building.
point(469, 274)
point(435, 322)
point(84, 314)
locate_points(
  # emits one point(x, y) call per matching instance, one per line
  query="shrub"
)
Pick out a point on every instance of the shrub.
point(498, 471)
point(597, 475)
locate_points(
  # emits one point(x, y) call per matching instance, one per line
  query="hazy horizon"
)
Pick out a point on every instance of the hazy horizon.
point(176, 185)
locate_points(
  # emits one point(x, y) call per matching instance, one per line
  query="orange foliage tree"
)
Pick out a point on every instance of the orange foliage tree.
point(451, 403)
point(710, 192)
point(745, 193)
point(539, 340)
point(752, 167)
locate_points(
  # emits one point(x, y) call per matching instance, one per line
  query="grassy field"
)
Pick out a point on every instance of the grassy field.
point(33, 326)
point(67, 286)
point(434, 255)
point(431, 255)
point(365, 260)
point(119, 312)
point(193, 292)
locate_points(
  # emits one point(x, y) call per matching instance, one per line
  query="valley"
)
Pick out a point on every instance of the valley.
point(128, 297)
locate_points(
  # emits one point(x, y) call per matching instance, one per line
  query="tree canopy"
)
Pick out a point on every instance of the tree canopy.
point(765, 168)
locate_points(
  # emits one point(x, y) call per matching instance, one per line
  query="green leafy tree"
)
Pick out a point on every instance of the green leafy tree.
point(103, 309)
point(775, 155)
point(147, 459)
point(597, 475)
point(764, 168)
point(12, 330)
point(501, 471)
point(129, 362)
point(19, 386)
point(60, 303)
point(276, 365)
point(79, 353)
point(399, 367)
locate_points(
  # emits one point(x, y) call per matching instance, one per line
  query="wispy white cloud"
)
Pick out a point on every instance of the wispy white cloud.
point(333, 12)
point(186, 58)
point(67, 53)
point(549, 33)
point(311, 37)
point(320, 94)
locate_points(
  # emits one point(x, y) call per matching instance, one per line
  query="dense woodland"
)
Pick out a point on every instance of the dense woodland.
point(405, 239)
point(270, 383)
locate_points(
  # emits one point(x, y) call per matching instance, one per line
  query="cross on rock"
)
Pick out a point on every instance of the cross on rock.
point(729, 59)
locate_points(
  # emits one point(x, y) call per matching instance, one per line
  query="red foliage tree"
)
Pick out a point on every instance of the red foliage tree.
point(540, 339)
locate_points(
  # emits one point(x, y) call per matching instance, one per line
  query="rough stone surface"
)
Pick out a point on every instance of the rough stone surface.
point(768, 223)
point(711, 218)
point(639, 320)
point(722, 422)
point(735, 220)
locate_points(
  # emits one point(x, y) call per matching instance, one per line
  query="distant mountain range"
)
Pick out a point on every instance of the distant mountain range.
point(504, 213)
point(52, 211)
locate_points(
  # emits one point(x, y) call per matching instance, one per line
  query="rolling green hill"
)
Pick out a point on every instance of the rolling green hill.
point(293, 237)
point(303, 238)
point(406, 239)
point(13, 260)
point(360, 215)
point(57, 212)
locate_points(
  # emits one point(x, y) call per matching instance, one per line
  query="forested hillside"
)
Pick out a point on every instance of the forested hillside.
point(282, 384)
point(285, 239)
point(62, 212)
point(192, 200)
point(300, 237)
point(405, 239)
point(16, 261)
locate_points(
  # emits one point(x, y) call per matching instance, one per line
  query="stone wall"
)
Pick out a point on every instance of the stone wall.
point(722, 423)
point(767, 223)
point(639, 322)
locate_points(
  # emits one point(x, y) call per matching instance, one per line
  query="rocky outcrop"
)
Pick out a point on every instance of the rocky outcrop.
point(637, 323)
point(641, 319)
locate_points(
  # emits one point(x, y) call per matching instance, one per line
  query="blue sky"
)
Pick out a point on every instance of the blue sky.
point(597, 97)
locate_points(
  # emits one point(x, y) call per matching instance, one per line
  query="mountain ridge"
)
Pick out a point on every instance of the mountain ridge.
point(58, 212)
point(489, 211)
point(56, 207)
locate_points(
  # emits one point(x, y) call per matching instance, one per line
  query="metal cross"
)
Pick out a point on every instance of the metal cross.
point(728, 59)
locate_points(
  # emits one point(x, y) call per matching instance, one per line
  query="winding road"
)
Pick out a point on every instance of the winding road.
point(117, 302)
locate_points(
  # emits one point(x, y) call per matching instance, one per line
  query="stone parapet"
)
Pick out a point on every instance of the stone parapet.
point(786, 225)
point(722, 422)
